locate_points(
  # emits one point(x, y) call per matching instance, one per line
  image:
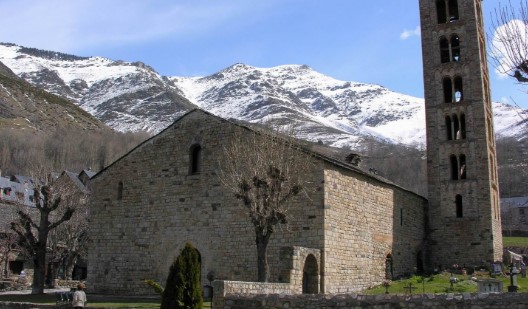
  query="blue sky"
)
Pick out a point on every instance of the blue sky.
point(375, 41)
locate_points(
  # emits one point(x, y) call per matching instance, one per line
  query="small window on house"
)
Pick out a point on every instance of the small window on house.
point(195, 159)
point(120, 191)
point(448, 90)
point(521, 211)
point(455, 48)
point(459, 206)
point(454, 167)
point(462, 162)
point(444, 50)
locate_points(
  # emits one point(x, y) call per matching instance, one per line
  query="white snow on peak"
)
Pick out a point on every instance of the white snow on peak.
point(91, 69)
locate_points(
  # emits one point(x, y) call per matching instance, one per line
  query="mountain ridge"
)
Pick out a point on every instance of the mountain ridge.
point(132, 96)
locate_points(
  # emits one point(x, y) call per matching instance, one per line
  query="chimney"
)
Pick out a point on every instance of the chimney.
point(353, 159)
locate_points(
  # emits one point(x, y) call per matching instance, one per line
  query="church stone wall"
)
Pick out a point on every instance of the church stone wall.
point(353, 217)
point(137, 235)
point(363, 226)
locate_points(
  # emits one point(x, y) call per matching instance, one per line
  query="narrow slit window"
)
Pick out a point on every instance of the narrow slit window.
point(456, 127)
point(449, 128)
point(454, 167)
point(441, 11)
point(448, 90)
point(444, 50)
point(455, 48)
point(453, 10)
point(195, 159)
point(463, 126)
point(459, 95)
point(120, 191)
point(459, 207)
point(462, 161)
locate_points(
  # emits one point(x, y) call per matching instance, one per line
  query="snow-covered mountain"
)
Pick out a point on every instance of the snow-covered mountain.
point(126, 96)
point(132, 96)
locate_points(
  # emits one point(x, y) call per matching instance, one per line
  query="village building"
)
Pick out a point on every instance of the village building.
point(514, 214)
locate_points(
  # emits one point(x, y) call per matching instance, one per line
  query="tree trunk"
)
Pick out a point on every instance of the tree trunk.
point(262, 256)
point(39, 275)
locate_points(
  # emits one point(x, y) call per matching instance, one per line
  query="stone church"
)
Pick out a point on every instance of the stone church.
point(355, 231)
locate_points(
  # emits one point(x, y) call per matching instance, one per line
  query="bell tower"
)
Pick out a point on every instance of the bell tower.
point(464, 212)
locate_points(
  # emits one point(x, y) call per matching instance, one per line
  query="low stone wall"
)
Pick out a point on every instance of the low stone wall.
point(223, 288)
point(352, 301)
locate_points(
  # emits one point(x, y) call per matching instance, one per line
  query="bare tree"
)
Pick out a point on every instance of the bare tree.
point(509, 40)
point(69, 241)
point(265, 171)
point(54, 207)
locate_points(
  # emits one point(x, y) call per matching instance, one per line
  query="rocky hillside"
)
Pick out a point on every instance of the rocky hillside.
point(24, 106)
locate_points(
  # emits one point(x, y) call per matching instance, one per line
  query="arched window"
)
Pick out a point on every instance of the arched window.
point(462, 126)
point(452, 10)
point(447, 11)
point(450, 49)
point(462, 165)
point(453, 90)
point(195, 159)
point(448, 90)
point(120, 191)
point(449, 128)
point(456, 127)
point(459, 207)
point(441, 11)
point(459, 96)
point(455, 48)
point(444, 50)
point(453, 162)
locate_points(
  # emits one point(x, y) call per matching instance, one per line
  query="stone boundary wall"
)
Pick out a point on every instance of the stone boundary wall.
point(223, 289)
point(353, 301)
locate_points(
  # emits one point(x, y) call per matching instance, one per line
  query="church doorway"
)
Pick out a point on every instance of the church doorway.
point(419, 264)
point(389, 274)
point(310, 280)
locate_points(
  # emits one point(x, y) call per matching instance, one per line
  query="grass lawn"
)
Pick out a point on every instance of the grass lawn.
point(440, 284)
point(515, 241)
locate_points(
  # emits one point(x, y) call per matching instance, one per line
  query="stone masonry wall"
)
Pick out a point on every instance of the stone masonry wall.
point(138, 236)
point(365, 222)
point(471, 236)
point(352, 301)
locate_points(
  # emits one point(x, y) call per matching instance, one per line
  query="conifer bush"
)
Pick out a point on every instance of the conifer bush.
point(183, 289)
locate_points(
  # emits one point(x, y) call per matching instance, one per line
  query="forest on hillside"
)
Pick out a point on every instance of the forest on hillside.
point(26, 153)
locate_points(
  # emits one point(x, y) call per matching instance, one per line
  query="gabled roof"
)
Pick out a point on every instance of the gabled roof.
point(74, 177)
point(514, 202)
point(318, 155)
